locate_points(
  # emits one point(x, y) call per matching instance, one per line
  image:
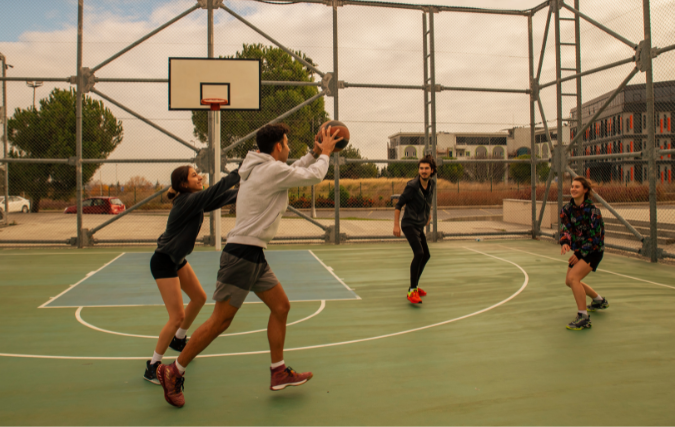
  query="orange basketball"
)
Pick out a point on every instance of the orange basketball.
point(343, 132)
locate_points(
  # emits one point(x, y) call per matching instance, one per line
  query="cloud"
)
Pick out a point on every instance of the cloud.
point(377, 45)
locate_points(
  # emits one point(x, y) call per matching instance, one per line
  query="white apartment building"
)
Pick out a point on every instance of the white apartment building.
point(503, 144)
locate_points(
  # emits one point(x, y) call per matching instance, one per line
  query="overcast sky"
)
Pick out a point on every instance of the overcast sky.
point(377, 45)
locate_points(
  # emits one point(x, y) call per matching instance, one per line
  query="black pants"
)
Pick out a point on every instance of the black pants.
point(418, 244)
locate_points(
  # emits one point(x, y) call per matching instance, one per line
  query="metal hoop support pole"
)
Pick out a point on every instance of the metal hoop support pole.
point(214, 143)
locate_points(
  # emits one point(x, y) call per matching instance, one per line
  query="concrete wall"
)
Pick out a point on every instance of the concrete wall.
point(520, 212)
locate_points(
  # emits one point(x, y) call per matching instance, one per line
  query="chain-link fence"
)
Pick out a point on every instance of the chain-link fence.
point(512, 104)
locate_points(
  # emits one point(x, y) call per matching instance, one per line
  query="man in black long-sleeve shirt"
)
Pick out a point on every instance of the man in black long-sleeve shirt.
point(417, 199)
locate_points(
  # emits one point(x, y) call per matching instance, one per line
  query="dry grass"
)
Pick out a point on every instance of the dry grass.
point(381, 189)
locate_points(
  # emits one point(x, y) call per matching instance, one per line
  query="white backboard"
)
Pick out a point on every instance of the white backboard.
point(193, 79)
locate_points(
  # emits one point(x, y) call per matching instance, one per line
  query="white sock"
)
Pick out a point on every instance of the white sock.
point(276, 365)
point(156, 358)
point(598, 298)
point(583, 313)
point(181, 333)
point(180, 368)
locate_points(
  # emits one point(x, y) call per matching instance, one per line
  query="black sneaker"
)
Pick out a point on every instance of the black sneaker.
point(178, 344)
point(151, 372)
point(581, 322)
point(598, 305)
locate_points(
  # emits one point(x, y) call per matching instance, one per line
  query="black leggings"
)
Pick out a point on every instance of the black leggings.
point(418, 244)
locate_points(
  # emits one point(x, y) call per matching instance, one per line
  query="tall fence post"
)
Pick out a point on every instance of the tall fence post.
point(533, 157)
point(425, 54)
point(651, 145)
point(336, 116)
point(434, 136)
point(4, 136)
point(579, 127)
point(559, 139)
point(78, 125)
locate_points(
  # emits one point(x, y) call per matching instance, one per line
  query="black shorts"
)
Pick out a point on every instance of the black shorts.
point(163, 267)
point(592, 258)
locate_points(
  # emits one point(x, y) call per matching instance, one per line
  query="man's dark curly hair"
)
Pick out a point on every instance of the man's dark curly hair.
point(270, 135)
point(428, 159)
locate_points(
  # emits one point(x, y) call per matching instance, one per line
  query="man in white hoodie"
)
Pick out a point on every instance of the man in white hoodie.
point(262, 200)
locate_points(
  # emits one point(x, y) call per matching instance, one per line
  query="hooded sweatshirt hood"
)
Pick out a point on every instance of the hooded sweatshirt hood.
point(252, 160)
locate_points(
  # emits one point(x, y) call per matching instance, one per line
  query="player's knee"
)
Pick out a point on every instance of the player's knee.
point(177, 319)
point(200, 298)
point(282, 308)
point(223, 324)
point(569, 281)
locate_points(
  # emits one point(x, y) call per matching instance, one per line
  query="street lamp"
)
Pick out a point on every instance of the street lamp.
point(5, 66)
point(34, 85)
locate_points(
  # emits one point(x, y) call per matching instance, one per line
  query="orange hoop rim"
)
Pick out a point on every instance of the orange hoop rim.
point(211, 101)
point(215, 103)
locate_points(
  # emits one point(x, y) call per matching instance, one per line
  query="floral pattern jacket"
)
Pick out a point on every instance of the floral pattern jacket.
point(582, 227)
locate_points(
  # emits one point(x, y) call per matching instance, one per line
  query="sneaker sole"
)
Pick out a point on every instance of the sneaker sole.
point(154, 380)
point(579, 329)
point(283, 386)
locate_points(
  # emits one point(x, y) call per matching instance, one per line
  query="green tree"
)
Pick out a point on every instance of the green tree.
point(353, 170)
point(521, 172)
point(275, 100)
point(49, 133)
point(452, 172)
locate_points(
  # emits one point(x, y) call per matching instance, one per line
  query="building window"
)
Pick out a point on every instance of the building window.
point(498, 152)
point(410, 152)
point(481, 152)
point(522, 151)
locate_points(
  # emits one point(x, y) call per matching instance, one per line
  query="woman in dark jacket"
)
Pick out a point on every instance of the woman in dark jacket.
point(582, 232)
point(417, 199)
point(168, 265)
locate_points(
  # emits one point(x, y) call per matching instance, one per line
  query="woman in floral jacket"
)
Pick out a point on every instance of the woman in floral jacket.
point(583, 232)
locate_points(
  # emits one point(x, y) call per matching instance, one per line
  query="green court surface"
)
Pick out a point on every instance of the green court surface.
point(487, 347)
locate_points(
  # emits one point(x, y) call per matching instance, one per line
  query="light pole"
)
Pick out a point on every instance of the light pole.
point(34, 85)
point(3, 115)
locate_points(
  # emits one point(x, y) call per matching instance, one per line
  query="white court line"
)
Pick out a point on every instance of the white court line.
point(208, 303)
point(330, 270)
point(66, 252)
point(91, 273)
point(78, 316)
point(599, 269)
point(522, 288)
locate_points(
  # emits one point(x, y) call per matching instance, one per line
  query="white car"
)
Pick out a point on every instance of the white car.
point(16, 204)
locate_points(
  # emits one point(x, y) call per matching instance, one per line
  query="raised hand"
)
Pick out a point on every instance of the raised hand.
point(328, 141)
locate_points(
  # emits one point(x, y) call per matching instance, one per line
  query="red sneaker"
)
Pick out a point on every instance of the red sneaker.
point(282, 377)
point(172, 383)
point(421, 292)
point(414, 297)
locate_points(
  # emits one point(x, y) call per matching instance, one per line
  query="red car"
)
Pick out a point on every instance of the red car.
point(99, 205)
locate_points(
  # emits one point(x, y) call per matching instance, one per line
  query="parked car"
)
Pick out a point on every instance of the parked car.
point(99, 205)
point(16, 204)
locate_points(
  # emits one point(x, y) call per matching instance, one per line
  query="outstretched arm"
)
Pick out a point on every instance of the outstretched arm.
point(215, 196)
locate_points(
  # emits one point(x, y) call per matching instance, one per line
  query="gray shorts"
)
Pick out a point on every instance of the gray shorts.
point(239, 276)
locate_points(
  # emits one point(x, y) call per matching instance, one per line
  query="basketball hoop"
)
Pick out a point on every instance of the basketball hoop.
point(215, 103)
